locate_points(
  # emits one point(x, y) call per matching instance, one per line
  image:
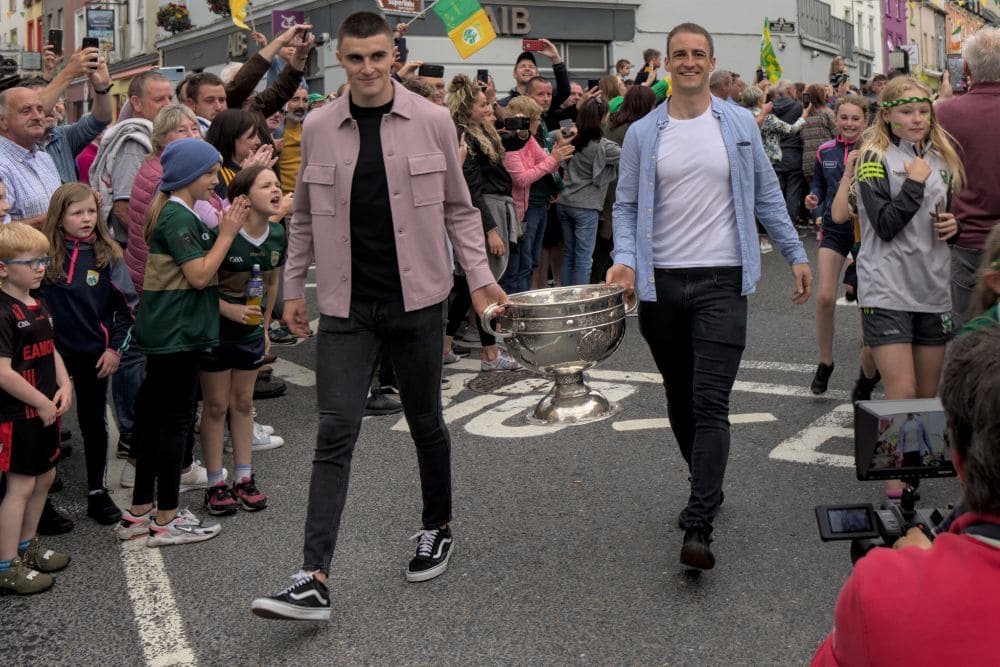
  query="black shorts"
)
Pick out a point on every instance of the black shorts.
point(27, 447)
point(245, 356)
point(881, 326)
point(838, 237)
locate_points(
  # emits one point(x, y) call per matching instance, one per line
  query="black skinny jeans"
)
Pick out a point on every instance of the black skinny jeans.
point(164, 413)
point(91, 410)
point(696, 331)
point(347, 351)
point(459, 308)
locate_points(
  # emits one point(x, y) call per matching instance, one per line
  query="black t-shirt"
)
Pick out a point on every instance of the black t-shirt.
point(26, 338)
point(374, 265)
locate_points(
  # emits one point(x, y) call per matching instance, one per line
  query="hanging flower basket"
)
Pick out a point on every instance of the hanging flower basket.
point(173, 18)
point(220, 7)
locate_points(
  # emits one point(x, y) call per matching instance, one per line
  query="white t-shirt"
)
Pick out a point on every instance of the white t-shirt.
point(694, 223)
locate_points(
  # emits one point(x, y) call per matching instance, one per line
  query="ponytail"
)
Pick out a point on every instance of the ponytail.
point(155, 209)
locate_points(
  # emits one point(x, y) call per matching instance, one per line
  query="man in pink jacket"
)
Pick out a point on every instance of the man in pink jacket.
point(379, 187)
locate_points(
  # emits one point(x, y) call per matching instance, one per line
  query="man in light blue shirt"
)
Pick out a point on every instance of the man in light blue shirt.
point(693, 175)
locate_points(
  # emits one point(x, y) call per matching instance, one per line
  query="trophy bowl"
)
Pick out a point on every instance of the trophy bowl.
point(560, 333)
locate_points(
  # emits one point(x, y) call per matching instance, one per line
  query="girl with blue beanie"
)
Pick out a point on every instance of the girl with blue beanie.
point(177, 320)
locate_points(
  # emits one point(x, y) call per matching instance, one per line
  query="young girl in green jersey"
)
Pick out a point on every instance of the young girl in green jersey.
point(229, 371)
point(177, 321)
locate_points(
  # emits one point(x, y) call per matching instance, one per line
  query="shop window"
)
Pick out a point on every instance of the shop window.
point(579, 56)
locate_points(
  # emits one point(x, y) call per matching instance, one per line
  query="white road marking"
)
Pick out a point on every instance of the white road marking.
point(777, 366)
point(291, 372)
point(644, 424)
point(803, 447)
point(157, 618)
point(492, 423)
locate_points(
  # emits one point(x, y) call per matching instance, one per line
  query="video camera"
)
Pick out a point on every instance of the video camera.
point(905, 440)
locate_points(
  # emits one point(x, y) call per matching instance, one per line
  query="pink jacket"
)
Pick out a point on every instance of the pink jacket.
point(525, 167)
point(144, 189)
point(428, 199)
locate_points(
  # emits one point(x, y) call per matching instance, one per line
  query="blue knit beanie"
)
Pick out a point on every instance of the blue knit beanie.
point(184, 161)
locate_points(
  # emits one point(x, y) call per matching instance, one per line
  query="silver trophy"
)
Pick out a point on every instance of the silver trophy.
point(561, 332)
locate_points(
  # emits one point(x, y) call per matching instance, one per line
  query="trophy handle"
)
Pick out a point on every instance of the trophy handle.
point(629, 309)
point(489, 314)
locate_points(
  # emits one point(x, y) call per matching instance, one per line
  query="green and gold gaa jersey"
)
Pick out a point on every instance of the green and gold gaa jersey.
point(269, 254)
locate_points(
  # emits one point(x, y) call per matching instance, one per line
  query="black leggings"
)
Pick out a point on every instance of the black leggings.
point(164, 412)
point(91, 408)
point(459, 308)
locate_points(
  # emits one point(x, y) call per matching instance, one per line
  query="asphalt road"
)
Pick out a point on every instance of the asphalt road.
point(566, 545)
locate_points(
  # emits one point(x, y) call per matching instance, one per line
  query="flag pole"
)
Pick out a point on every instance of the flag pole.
point(253, 28)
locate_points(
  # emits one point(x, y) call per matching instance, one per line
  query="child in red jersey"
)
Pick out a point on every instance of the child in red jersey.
point(35, 391)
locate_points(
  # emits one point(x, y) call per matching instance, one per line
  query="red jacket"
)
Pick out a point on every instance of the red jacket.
point(977, 206)
point(913, 607)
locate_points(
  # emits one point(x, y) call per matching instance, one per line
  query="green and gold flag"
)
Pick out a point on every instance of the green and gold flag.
point(768, 61)
point(238, 13)
point(467, 24)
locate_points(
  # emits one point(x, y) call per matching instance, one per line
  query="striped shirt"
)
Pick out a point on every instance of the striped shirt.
point(31, 178)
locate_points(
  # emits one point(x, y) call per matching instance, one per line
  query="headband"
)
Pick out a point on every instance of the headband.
point(905, 100)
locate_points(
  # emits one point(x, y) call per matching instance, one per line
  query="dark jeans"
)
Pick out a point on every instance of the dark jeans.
point(164, 412)
point(530, 246)
point(964, 264)
point(696, 331)
point(347, 350)
point(124, 388)
point(793, 186)
point(509, 280)
point(91, 404)
point(459, 308)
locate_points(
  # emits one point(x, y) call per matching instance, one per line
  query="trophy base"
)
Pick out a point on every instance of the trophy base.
point(571, 401)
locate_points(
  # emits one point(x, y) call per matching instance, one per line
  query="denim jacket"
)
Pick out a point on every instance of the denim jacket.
point(755, 192)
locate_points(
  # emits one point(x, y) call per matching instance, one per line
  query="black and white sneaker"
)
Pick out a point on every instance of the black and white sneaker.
point(305, 600)
point(433, 552)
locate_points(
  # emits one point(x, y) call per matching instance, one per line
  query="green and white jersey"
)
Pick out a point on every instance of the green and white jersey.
point(173, 316)
point(269, 252)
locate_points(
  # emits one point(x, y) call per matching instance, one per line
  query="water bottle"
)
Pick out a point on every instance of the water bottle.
point(254, 291)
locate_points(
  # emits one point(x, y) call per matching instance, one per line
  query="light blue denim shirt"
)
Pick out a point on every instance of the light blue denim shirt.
point(755, 192)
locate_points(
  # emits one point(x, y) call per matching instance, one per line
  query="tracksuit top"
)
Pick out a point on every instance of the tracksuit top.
point(831, 160)
point(93, 309)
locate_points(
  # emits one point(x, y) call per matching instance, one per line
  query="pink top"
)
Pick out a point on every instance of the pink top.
point(428, 198)
point(525, 167)
point(84, 159)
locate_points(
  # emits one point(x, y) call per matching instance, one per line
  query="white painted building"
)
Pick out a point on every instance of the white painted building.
point(591, 34)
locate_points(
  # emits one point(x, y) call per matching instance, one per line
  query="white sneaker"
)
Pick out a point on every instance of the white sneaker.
point(197, 477)
point(262, 440)
point(765, 246)
point(128, 476)
point(267, 428)
point(132, 526)
point(185, 528)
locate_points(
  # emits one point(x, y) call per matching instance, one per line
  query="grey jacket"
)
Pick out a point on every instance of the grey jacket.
point(589, 173)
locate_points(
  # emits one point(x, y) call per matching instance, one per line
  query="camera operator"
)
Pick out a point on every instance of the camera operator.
point(937, 591)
